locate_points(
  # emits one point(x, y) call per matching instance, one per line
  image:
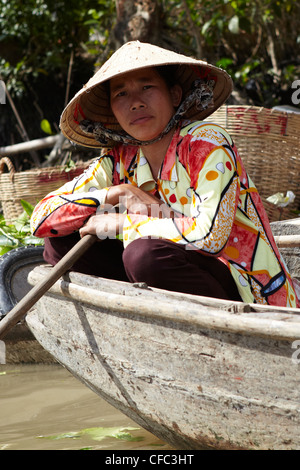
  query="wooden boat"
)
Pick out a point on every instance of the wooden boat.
point(198, 373)
point(20, 344)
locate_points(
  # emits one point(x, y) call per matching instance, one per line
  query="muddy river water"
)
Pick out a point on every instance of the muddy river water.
point(43, 407)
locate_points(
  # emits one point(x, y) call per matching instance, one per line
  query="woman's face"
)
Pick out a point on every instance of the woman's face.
point(142, 102)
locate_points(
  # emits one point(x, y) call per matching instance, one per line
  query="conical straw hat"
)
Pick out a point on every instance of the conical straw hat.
point(92, 101)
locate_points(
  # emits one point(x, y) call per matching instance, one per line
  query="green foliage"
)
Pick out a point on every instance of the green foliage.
point(46, 127)
point(100, 22)
point(257, 41)
point(18, 234)
point(99, 434)
point(37, 36)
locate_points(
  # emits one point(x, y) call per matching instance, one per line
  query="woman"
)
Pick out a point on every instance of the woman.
point(191, 219)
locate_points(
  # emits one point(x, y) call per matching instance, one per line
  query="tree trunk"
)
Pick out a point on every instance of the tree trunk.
point(137, 20)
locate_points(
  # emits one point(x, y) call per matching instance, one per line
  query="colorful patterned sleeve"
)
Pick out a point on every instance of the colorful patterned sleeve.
point(65, 210)
point(214, 185)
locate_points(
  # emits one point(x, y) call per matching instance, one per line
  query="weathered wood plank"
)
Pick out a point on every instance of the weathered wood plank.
point(168, 308)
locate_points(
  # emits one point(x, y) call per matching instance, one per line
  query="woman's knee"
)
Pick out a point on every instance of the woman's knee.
point(167, 265)
point(136, 260)
point(102, 259)
point(55, 248)
point(145, 260)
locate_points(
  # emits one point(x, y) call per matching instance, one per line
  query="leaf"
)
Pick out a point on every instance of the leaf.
point(28, 208)
point(9, 239)
point(6, 242)
point(18, 233)
point(4, 250)
point(32, 240)
point(21, 224)
point(126, 436)
point(71, 164)
point(205, 27)
point(98, 434)
point(46, 127)
point(234, 25)
point(224, 62)
point(65, 435)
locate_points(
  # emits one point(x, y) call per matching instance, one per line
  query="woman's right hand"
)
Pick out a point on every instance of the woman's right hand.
point(107, 225)
point(137, 201)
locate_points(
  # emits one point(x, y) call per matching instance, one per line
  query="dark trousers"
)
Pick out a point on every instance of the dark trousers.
point(157, 262)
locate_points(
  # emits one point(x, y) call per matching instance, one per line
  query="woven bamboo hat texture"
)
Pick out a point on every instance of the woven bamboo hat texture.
point(92, 101)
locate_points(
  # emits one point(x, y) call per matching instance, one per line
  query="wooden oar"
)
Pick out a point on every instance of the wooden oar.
point(40, 289)
point(287, 241)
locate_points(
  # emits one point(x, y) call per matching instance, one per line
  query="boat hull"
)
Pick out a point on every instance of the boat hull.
point(198, 373)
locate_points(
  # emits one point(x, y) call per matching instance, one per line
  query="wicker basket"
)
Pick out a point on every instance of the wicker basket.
point(269, 144)
point(31, 185)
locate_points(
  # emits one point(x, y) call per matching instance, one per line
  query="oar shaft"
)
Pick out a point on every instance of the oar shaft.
point(287, 241)
point(40, 289)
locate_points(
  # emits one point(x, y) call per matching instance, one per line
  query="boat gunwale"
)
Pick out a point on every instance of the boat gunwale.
point(235, 317)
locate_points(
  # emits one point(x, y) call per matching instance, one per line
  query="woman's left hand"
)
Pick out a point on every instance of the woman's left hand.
point(104, 226)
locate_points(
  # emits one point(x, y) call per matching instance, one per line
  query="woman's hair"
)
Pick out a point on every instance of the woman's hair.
point(168, 73)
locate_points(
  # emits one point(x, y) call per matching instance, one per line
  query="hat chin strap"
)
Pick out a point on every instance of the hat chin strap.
point(201, 96)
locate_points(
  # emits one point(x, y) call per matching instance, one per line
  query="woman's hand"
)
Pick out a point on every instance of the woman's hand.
point(137, 201)
point(107, 225)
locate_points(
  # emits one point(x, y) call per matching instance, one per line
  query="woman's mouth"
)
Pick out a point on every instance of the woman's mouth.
point(140, 120)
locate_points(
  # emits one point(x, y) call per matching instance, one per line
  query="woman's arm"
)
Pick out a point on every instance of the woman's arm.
point(65, 210)
point(121, 200)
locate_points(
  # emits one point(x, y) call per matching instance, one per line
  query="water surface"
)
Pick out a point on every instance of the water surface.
point(39, 403)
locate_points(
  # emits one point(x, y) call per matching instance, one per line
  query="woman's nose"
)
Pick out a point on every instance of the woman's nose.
point(137, 103)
